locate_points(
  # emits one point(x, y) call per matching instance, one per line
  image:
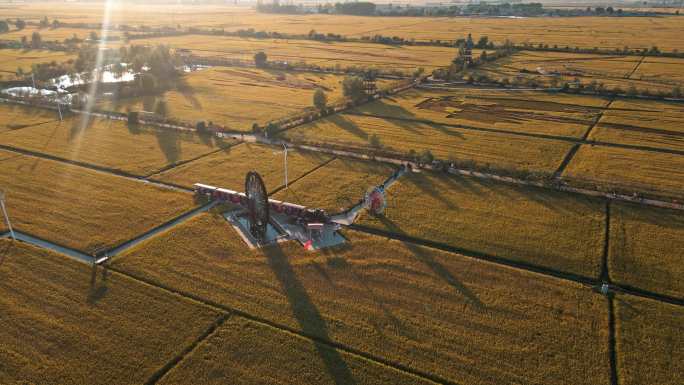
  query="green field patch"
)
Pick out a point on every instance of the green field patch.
point(647, 248)
point(113, 144)
point(649, 340)
point(628, 171)
point(252, 353)
point(338, 185)
point(65, 323)
point(540, 227)
point(464, 320)
point(487, 149)
point(227, 169)
point(80, 208)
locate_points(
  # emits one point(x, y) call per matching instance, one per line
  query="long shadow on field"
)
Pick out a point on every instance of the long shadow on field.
point(422, 255)
point(97, 289)
point(169, 144)
point(4, 251)
point(349, 126)
point(309, 318)
point(188, 92)
point(429, 188)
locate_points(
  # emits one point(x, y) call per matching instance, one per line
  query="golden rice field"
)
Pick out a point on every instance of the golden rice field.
point(525, 111)
point(539, 227)
point(52, 34)
point(227, 169)
point(488, 149)
point(65, 323)
point(646, 248)
point(113, 144)
point(13, 59)
point(326, 54)
point(464, 320)
point(252, 353)
point(628, 170)
point(585, 32)
point(337, 186)
point(14, 117)
point(649, 339)
point(79, 208)
point(237, 97)
point(642, 123)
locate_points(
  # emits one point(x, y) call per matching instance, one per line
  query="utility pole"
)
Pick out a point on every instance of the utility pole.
point(4, 211)
point(285, 151)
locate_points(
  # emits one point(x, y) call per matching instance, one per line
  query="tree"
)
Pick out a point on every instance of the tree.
point(93, 36)
point(36, 40)
point(352, 88)
point(55, 24)
point(482, 43)
point(677, 92)
point(426, 157)
point(24, 41)
point(319, 99)
point(20, 24)
point(260, 59)
point(4, 27)
point(44, 22)
point(374, 141)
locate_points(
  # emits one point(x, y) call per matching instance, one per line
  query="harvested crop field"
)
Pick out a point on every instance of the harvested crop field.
point(13, 59)
point(325, 54)
point(113, 144)
point(252, 353)
point(607, 71)
point(660, 70)
point(14, 117)
point(80, 208)
point(648, 123)
point(487, 149)
point(525, 112)
point(432, 311)
point(227, 169)
point(559, 231)
point(649, 341)
point(647, 248)
point(238, 97)
point(337, 186)
point(65, 323)
point(628, 171)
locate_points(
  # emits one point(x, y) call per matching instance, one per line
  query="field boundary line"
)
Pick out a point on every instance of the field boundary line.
point(612, 344)
point(541, 270)
point(29, 126)
point(636, 67)
point(573, 151)
point(354, 154)
point(605, 273)
point(168, 225)
point(211, 330)
point(318, 167)
point(471, 128)
point(92, 167)
point(174, 165)
point(519, 265)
